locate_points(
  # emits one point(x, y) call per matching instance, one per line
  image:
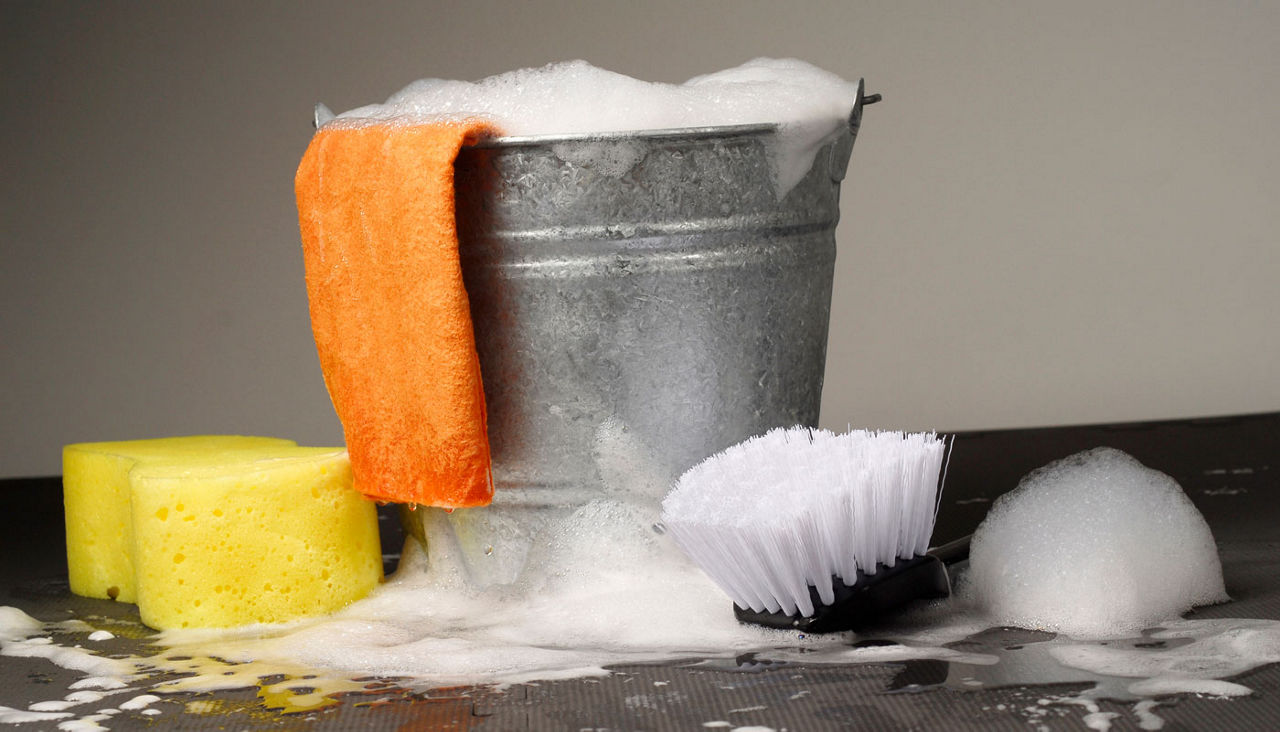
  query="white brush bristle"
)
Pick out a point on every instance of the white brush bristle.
point(769, 517)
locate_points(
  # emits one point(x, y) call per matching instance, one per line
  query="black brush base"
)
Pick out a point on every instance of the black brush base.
point(868, 599)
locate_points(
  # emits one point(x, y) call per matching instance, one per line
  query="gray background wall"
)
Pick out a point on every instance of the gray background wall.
point(1062, 212)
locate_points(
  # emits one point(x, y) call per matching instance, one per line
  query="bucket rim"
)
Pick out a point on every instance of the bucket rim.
point(323, 115)
point(669, 133)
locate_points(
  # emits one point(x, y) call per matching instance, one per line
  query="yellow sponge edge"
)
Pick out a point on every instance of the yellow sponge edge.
point(95, 493)
point(259, 536)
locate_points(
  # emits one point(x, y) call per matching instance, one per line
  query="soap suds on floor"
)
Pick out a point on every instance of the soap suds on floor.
point(603, 588)
point(9, 715)
point(1134, 673)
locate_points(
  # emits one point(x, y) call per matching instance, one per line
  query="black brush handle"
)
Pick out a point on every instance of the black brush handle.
point(868, 600)
point(953, 551)
point(871, 597)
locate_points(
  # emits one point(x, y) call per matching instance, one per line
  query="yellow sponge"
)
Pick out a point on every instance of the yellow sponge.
point(253, 536)
point(95, 492)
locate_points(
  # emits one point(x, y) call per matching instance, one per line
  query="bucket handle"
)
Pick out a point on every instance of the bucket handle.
point(862, 99)
point(843, 146)
point(322, 114)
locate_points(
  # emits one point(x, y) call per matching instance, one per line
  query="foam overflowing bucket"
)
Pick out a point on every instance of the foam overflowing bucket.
point(640, 302)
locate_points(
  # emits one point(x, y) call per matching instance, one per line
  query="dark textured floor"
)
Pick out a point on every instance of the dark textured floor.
point(1228, 466)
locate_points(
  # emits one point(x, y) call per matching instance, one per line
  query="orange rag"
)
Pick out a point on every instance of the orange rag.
point(389, 310)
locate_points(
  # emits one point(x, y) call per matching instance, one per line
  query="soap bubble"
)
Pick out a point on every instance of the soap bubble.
point(1094, 545)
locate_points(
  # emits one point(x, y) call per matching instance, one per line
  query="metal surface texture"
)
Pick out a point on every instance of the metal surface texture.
point(657, 285)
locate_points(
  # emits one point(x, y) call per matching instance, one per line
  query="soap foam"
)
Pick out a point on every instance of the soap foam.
point(1219, 649)
point(16, 625)
point(69, 658)
point(598, 585)
point(575, 98)
point(1094, 545)
point(9, 715)
point(604, 588)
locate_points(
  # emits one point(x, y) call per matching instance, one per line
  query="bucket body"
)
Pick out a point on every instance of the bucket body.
point(640, 302)
point(650, 288)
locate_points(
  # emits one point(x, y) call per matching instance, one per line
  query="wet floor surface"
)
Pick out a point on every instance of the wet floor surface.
point(1227, 466)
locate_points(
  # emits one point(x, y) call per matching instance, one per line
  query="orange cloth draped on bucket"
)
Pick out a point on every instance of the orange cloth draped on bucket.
point(389, 310)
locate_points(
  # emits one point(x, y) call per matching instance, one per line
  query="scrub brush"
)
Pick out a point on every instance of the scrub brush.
point(810, 530)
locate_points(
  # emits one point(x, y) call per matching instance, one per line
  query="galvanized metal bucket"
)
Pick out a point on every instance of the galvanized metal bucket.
point(648, 294)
